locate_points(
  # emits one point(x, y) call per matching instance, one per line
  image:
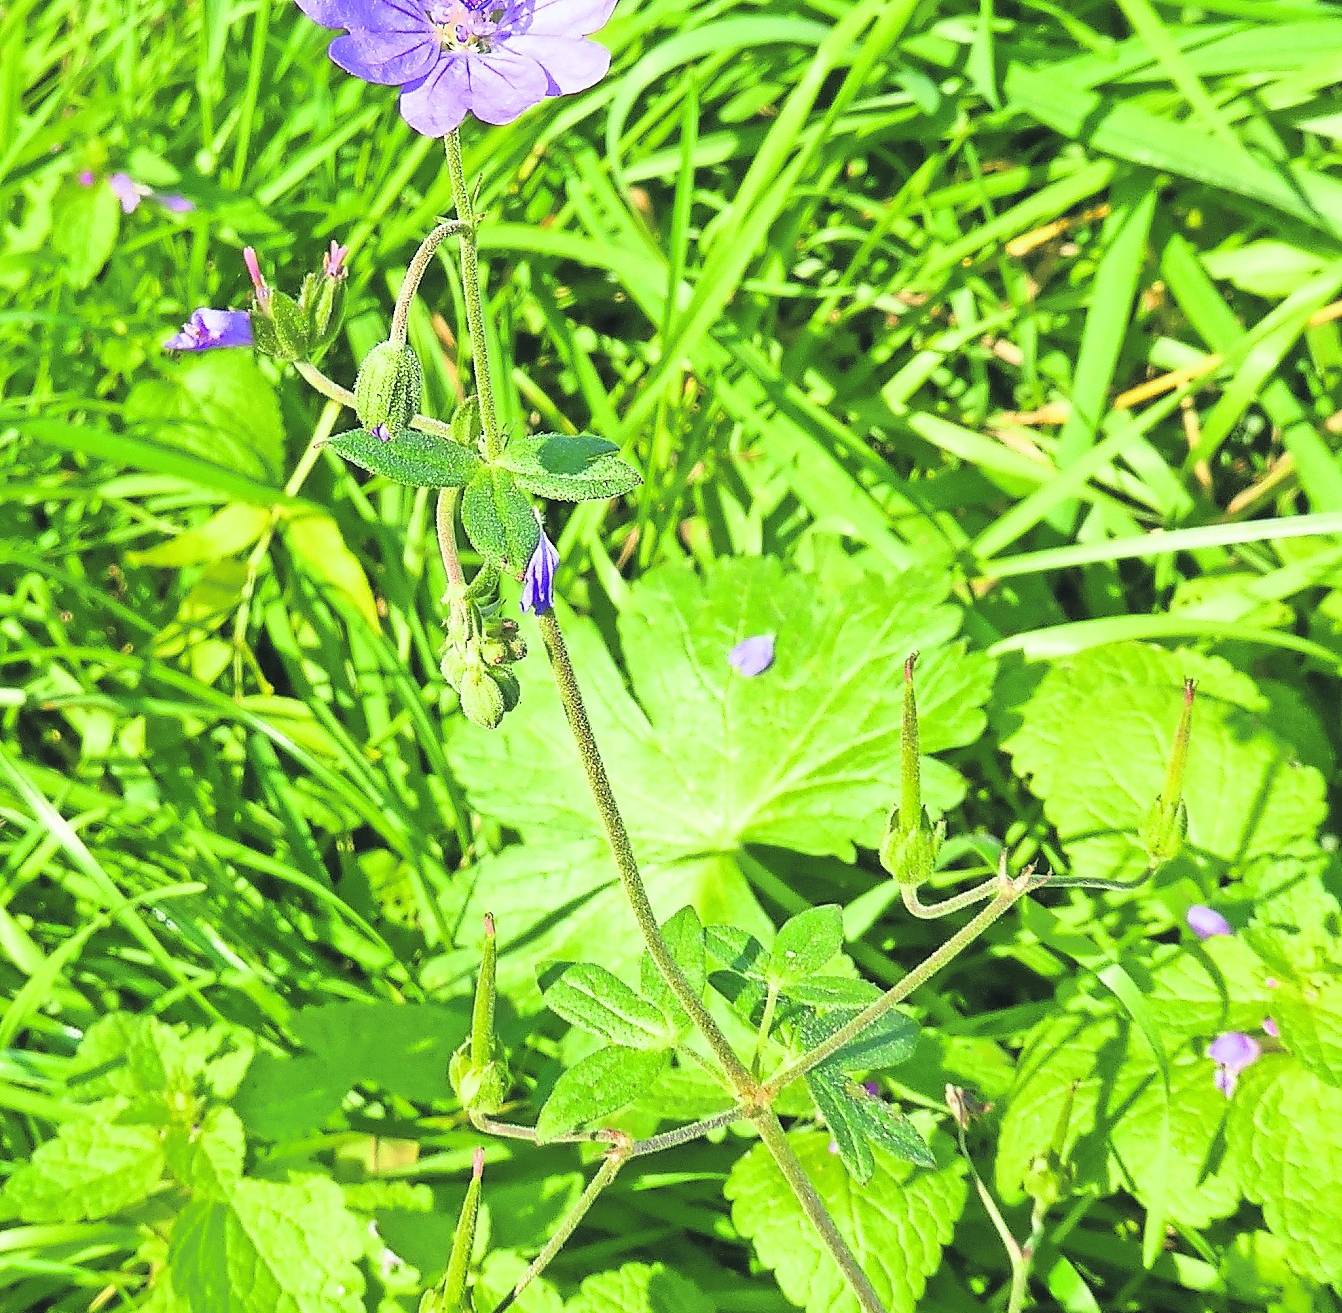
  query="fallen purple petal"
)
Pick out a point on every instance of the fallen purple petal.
point(129, 192)
point(752, 656)
point(1232, 1052)
point(490, 58)
point(207, 329)
point(1206, 922)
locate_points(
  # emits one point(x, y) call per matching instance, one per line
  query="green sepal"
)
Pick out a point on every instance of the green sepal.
point(280, 328)
point(414, 458)
point(466, 421)
point(390, 389)
point(579, 468)
point(482, 1088)
point(499, 519)
point(322, 301)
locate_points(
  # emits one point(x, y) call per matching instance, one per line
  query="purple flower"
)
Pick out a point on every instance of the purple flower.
point(381, 432)
point(333, 262)
point(450, 58)
point(1270, 1027)
point(129, 192)
point(1206, 922)
point(86, 177)
point(1232, 1052)
point(175, 203)
point(752, 656)
point(212, 328)
point(538, 580)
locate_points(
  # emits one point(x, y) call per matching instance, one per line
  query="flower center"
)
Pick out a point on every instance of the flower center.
point(460, 25)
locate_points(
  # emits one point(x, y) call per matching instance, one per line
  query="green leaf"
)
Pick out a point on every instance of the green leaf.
point(639, 1288)
point(230, 530)
point(684, 936)
point(84, 235)
point(833, 992)
point(421, 460)
point(92, 1169)
point(1285, 1136)
point(499, 519)
point(705, 760)
point(600, 1003)
point(207, 1159)
point(580, 468)
point(1094, 741)
point(320, 548)
point(271, 1246)
point(896, 1224)
point(805, 943)
point(600, 1084)
point(858, 1121)
point(1308, 1012)
point(218, 405)
point(1115, 1137)
point(737, 949)
point(885, 1043)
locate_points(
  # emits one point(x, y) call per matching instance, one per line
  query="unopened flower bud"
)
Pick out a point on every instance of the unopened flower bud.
point(322, 300)
point(390, 388)
point(482, 700)
point(279, 326)
point(478, 1069)
point(911, 844)
point(1166, 823)
point(450, 1295)
point(466, 421)
point(453, 667)
point(507, 685)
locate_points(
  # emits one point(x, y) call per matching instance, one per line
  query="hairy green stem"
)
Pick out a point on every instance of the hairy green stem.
point(414, 274)
point(772, 1133)
point(626, 864)
point(569, 1223)
point(1011, 891)
point(446, 516)
point(332, 391)
point(470, 283)
point(935, 911)
point(766, 1025)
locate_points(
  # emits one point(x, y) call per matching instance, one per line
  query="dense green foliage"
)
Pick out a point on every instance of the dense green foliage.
point(868, 291)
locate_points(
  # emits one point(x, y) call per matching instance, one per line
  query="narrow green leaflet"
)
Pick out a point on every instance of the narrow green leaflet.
point(833, 992)
point(596, 1001)
point(499, 519)
point(92, 1169)
point(639, 1288)
point(736, 949)
point(705, 760)
point(684, 938)
point(602, 1083)
point(896, 1224)
point(805, 943)
point(885, 1043)
point(1285, 1137)
point(858, 1121)
point(579, 468)
point(421, 460)
point(1094, 736)
point(271, 1245)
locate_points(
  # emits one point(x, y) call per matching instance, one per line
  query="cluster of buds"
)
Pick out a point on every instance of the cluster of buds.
point(299, 328)
point(479, 1069)
point(911, 844)
point(482, 646)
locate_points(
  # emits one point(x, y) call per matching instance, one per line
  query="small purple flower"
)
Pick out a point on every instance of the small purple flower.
point(752, 656)
point(538, 580)
point(872, 1088)
point(258, 279)
point(1206, 922)
point(381, 432)
point(333, 262)
point(1270, 1027)
point(86, 177)
point(1232, 1052)
point(450, 58)
point(174, 203)
point(207, 329)
point(129, 192)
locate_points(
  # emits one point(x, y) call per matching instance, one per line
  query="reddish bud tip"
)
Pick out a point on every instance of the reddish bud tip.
point(254, 273)
point(909, 662)
point(489, 925)
point(1190, 688)
point(478, 1165)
